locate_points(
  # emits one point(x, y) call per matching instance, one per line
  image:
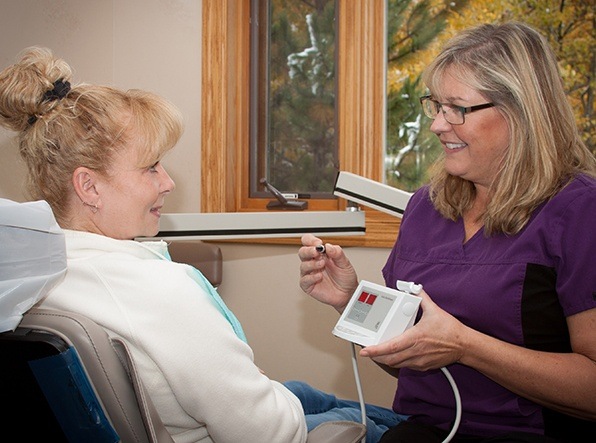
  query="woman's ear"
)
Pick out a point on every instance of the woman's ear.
point(84, 183)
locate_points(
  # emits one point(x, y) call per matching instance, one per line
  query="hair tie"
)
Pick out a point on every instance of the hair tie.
point(61, 88)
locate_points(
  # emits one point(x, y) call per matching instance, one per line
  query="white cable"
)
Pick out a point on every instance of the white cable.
point(445, 372)
point(359, 389)
point(457, 405)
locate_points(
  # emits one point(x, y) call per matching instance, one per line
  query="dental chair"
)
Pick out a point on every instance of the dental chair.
point(63, 379)
point(206, 257)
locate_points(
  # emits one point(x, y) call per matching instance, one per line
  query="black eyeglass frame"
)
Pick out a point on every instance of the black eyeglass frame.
point(463, 109)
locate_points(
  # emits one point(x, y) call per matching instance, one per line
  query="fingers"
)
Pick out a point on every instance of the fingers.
point(309, 249)
point(389, 347)
point(397, 352)
point(310, 267)
point(310, 263)
point(426, 304)
point(310, 240)
point(309, 280)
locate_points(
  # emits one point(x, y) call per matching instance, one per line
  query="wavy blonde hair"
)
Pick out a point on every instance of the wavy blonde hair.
point(513, 66)
point(83, 128)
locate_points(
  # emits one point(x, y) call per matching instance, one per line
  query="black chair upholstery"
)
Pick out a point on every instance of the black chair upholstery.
point(106, 363)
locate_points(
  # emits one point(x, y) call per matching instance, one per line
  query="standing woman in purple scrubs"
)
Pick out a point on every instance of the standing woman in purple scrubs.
point(503, 240)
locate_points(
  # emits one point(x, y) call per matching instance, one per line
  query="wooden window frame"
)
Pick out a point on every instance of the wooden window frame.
point(225, 111)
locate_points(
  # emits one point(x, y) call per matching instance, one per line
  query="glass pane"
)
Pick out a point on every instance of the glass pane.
point(411, 147)
point(293, 124)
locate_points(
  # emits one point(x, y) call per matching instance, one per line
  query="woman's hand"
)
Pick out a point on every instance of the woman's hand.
point(439, 339)
point(326, 276)
point(436, 340)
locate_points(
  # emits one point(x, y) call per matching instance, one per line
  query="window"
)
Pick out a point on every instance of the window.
point(364, 146)
point(225, 109)
point(292, 116)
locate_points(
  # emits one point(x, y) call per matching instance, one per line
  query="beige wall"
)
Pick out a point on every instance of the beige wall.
point(156, 45)
point(148, 44)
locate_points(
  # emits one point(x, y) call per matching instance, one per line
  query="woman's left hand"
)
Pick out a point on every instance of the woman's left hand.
point(436, 340)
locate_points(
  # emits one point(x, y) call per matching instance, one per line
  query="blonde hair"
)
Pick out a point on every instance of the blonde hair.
point(83, 127)
point(513, 66)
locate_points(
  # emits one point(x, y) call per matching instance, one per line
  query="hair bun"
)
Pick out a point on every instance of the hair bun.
point(30, 87)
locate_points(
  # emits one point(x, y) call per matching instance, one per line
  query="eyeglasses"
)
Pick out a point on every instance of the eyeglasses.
point(453, 114)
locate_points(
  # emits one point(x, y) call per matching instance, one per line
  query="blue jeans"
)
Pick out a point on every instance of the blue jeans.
point(320, 407)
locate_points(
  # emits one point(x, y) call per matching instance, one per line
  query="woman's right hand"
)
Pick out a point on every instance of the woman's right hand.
point(326, 276)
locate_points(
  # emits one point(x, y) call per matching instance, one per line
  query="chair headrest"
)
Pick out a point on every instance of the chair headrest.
point(32, 257)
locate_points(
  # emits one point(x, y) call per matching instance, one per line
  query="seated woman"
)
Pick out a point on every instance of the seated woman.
point(94, 154)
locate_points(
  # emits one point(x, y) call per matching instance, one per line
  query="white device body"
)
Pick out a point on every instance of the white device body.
point(376, 313)
point(371, 193)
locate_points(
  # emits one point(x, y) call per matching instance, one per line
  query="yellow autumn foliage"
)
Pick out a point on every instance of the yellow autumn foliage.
point(567, 24)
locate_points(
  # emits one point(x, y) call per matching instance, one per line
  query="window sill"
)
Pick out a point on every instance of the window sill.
point(381, 232)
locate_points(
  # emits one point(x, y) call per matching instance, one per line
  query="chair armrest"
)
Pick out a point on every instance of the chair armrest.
point(337, 432)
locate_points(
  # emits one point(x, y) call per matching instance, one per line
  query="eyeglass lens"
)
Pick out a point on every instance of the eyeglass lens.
point(453, 115)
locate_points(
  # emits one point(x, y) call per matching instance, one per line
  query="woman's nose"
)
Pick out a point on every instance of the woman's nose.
point(168, 184)
point(440, 124)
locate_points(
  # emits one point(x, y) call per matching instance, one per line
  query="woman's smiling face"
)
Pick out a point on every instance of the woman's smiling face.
point(131, 196)
point(473, 150)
